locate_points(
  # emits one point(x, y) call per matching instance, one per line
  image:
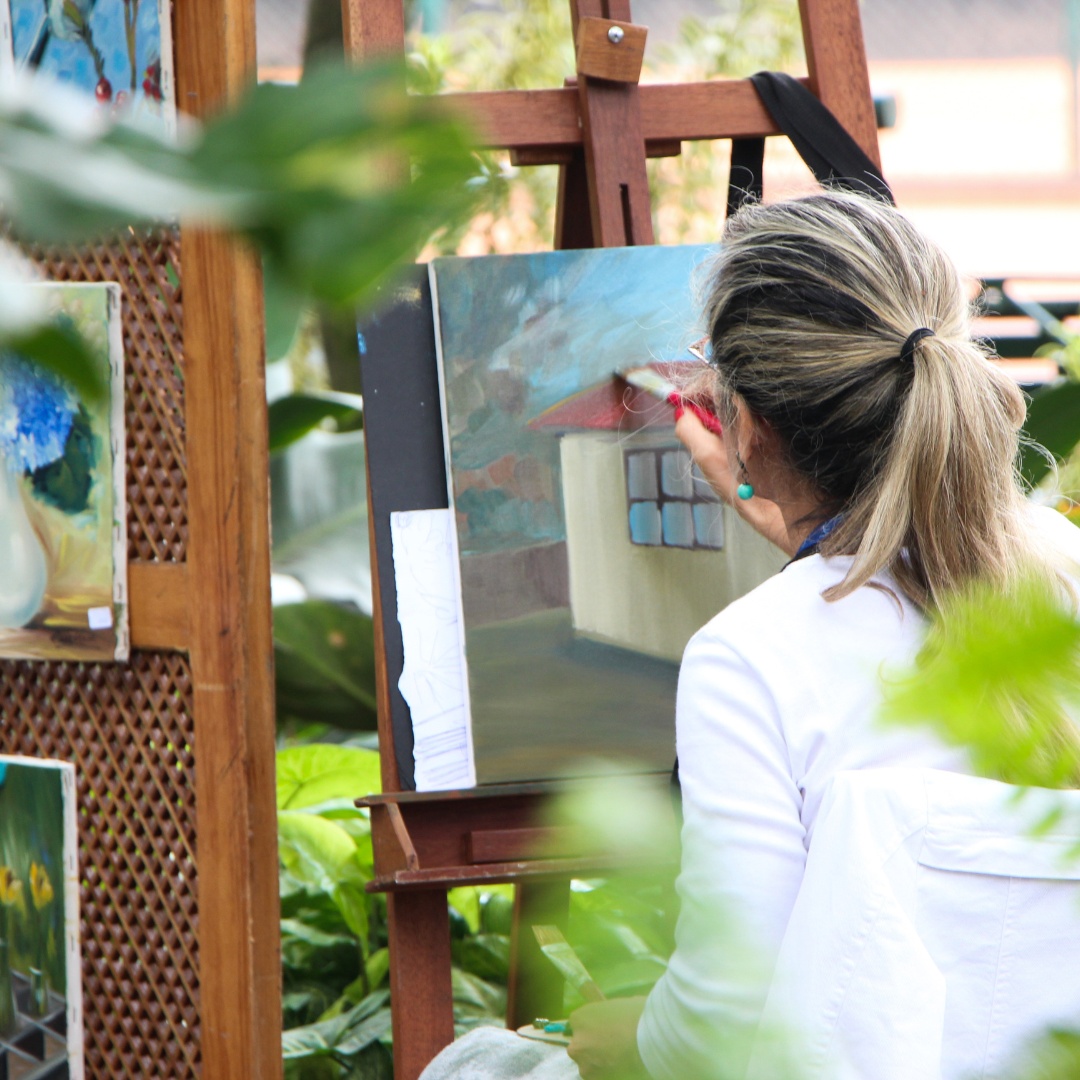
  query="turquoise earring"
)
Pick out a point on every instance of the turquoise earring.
point(745, 490)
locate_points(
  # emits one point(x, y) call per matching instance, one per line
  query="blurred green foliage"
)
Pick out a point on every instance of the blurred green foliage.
point(336, 181)
point(999, 673)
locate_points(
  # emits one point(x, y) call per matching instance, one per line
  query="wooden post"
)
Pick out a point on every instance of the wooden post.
point(231, 640)
point(836, 62)
point(371, 29)
point(423, 1014)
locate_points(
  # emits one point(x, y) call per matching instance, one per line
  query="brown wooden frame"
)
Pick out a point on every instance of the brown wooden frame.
point(600, 133)
point(217, 606)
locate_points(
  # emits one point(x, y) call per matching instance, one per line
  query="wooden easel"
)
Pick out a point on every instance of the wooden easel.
point(599, 129)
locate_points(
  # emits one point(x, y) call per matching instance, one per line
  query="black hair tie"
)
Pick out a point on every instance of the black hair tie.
point(907, 353)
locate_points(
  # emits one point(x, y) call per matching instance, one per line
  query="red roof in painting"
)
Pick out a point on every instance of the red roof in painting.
point(613, 405)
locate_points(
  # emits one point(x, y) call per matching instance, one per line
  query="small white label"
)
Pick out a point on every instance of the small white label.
point(99, 618)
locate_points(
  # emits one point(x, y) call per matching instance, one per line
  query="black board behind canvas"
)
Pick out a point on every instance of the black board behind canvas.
point(405, 454)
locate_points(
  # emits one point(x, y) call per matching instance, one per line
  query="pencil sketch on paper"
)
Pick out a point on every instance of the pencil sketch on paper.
point(590, 550)
point(432, 678)
point(63, 542)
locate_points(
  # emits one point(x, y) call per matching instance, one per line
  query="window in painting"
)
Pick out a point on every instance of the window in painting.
point(671, 504)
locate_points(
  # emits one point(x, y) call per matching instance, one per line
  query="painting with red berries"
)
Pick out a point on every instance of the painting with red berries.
point(118, 50)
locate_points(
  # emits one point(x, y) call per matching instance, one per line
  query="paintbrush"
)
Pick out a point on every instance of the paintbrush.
point(561, 953)
point(652, 382)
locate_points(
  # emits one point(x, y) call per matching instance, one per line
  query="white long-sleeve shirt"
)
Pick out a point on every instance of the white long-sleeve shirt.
point(777, 694)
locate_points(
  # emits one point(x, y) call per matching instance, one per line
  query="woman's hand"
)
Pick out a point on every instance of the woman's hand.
point(604, 1040)
point(708, 451)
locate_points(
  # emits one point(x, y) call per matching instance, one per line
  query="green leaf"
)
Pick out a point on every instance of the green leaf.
point(325, 657)
point(497, 910)
point(474, 996)
point(293, 416)
point(1053, 421)
point(352, 902)
point(347, 1033)
point(362, 1032)
point(317, 852)
point(378, 967)
point(283, 307)
point(309, 776)
point(326, 164)
point(466, 902)
point(310, 956)
point(484, 955)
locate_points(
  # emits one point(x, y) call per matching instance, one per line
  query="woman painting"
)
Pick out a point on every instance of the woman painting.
point(867, 436)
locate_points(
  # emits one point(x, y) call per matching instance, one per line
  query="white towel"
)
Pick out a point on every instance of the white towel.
point(491, 1053)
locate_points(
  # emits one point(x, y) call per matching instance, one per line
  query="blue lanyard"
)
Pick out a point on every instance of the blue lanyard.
point(818, 534)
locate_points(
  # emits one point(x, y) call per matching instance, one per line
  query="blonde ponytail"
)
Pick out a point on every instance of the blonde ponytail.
point(811, 305)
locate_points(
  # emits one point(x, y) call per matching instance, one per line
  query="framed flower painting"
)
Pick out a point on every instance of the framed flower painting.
point(118, 50)
point(40, 970)
point(63, 595)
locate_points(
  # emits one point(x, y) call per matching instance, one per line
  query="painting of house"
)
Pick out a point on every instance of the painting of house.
point(589, 553)
point(652, 553)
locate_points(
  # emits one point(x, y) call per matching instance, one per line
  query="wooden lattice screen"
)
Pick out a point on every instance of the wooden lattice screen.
point(129, 728)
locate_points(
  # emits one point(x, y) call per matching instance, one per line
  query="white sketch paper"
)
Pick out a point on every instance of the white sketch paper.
point(433, 679)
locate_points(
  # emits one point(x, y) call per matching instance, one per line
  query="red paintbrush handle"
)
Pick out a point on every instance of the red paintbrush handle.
point(706, 417)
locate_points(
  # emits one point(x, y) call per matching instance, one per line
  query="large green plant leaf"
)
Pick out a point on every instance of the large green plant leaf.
point(312, 956)
point(309, 776)
point(293, 416)
point(315, 851)
point(1053, 421)
point(347, 1033)
point(324, 857)
point(325, 657)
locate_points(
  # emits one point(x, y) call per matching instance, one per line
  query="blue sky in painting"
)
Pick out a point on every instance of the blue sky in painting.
point(70, 61)
point(522, 332)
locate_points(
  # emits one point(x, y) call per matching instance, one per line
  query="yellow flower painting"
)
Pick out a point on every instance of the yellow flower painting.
point(11, 888)
point(40, 886)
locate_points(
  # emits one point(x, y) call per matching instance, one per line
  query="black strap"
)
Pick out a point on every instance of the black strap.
point(833, 156)
point(744, 178)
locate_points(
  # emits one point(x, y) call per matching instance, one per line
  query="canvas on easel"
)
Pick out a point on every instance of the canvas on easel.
point(589, 548)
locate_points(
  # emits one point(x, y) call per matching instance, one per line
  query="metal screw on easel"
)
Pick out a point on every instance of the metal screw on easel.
point(615, 34)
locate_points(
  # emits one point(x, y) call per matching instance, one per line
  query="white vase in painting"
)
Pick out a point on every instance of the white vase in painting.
point(23, 572)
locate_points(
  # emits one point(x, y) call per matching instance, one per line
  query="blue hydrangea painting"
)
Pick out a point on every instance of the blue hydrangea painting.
point(63, 588)
point(118, 50)
point(590, 549)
